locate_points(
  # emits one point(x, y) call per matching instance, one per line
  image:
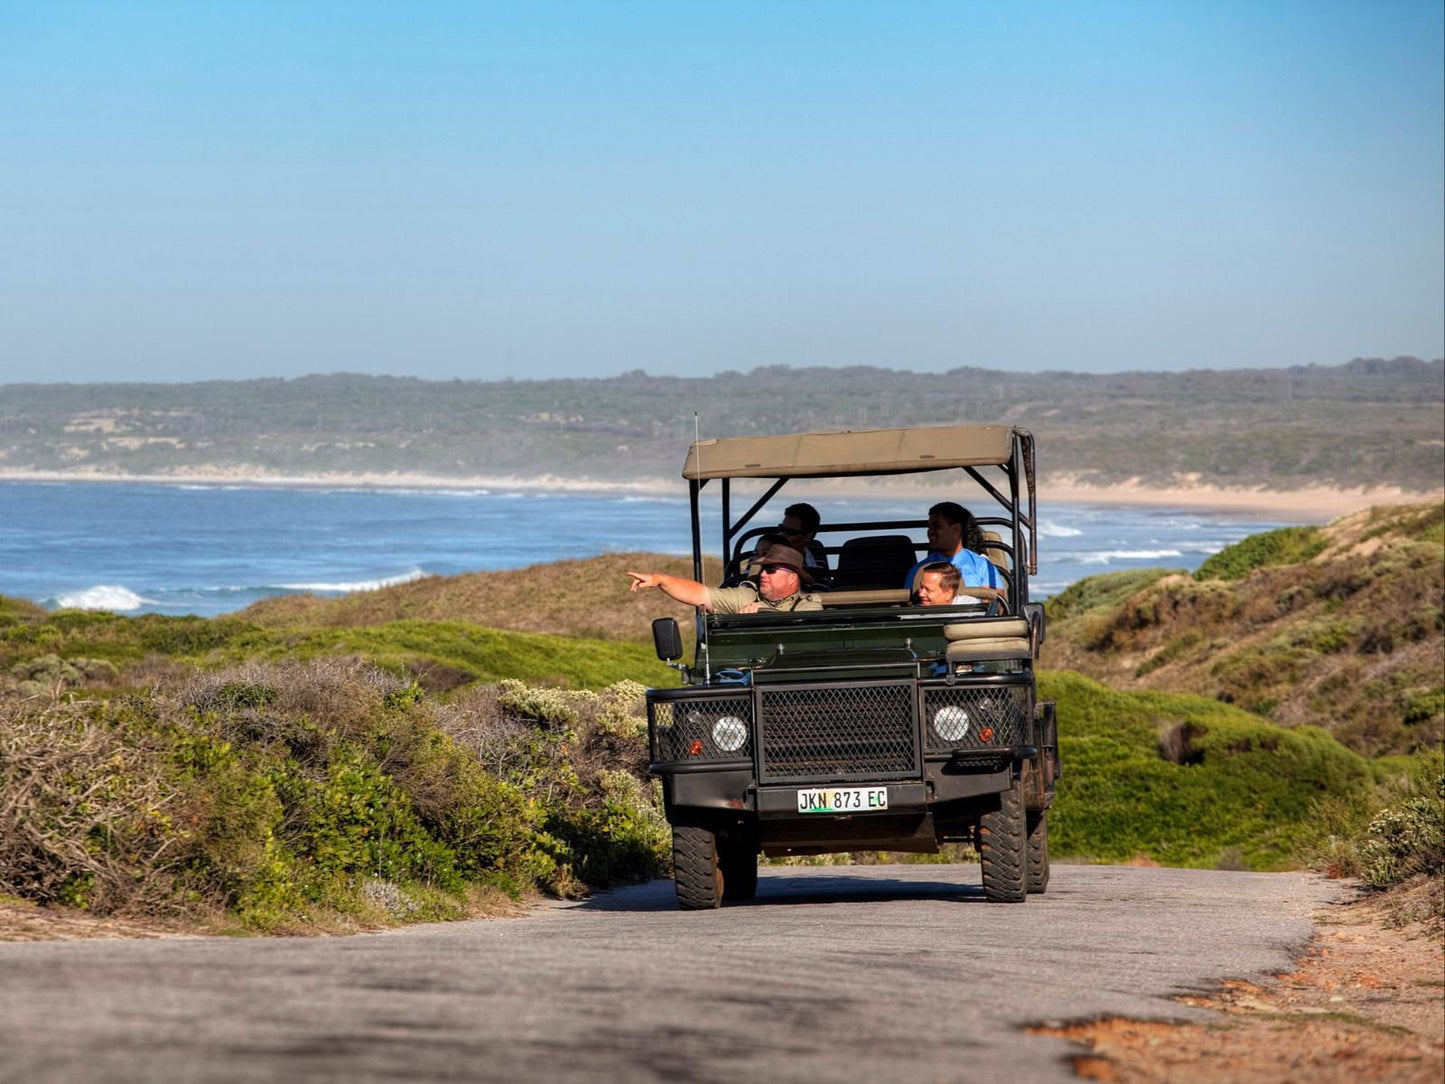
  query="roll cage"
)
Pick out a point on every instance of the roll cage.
point(998, 459)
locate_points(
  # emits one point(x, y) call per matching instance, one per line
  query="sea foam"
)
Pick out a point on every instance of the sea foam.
point(106, 596)
point(1049, 529)
point(1103, 557)
point(360, 585)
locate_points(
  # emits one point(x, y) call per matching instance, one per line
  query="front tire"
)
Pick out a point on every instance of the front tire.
point(1002, 842)
point(695, 870)
point(1038, 851)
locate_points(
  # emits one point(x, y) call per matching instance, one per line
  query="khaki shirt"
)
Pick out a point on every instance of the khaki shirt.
point(731, 600)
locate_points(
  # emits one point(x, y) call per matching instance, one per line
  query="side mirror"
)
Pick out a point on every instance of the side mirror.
point(667, 639)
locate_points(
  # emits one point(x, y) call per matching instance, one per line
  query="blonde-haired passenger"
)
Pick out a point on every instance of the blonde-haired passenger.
point(938, 584)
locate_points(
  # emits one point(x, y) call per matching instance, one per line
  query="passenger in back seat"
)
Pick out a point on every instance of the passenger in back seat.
point(799, 530)
point(950, 525)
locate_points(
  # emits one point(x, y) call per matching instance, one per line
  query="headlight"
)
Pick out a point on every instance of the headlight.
point(729, 733)
point(951, 722)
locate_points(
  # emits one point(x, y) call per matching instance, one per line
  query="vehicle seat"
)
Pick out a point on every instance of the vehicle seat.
point(874, 562)
point(981, 641)
point(998, 556)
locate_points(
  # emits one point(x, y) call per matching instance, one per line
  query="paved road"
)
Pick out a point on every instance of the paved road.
point(854, 974)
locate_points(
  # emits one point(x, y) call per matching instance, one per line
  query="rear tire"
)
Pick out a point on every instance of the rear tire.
point(1002, 841)
point(1038, 851)
point(695, 870)
point(739, 862)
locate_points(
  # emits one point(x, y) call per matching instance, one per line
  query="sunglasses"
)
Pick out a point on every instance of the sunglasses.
point(780, 529)
point(774, 569)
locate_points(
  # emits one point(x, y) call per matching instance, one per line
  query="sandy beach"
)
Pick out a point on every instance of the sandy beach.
point(1313, 504)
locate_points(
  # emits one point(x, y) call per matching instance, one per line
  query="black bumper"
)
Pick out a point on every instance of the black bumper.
point(734, 790)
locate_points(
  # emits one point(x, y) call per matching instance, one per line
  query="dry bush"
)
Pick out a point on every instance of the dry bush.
point(84, 814)
point(499, 738)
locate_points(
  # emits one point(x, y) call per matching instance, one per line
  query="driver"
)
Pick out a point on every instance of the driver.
point(778, 590)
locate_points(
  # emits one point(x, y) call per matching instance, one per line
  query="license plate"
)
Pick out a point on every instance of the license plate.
point(843, 800)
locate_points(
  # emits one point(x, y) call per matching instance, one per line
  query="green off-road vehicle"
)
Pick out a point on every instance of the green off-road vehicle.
point(875, 723)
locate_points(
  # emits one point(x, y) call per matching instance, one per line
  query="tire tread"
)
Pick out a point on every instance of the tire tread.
point(1002, 842)
point(1038, 852)
point(695, 870)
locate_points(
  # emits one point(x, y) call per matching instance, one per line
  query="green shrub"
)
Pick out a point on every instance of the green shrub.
point(16, 610)
point(1285, 546)
point(1406, 840)
point(550, 706)
point(1423, 705)
point(1387, 834)
point(1241, 792)
point(581, 758)
point(49, 674)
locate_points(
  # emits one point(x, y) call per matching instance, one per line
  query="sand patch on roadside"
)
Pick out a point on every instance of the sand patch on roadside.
point(1367, 1002)
point(23, 921)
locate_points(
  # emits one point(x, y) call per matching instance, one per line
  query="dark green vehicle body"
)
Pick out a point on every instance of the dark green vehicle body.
point(874, 723)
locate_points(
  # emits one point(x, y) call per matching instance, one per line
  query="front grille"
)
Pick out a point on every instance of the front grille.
point(683, 729)
point(866, 731)
point(997, 716)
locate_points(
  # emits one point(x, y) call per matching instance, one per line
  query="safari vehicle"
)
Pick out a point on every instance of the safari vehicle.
point(875, 723)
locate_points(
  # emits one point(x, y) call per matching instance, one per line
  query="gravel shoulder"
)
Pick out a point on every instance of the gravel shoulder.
point(1366, 1002)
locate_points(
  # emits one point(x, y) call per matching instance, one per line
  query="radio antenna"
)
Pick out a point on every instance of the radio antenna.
point(697, 466)
point(701, 557)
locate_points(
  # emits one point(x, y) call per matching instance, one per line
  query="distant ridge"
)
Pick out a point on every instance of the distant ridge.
point(1370, 422)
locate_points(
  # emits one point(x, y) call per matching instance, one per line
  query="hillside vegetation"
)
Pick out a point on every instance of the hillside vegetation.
point(118, 652)
point(326, 793)
point(1365, 423)
point(416, 753)
point(1338, 627)
point(587, 598)
point(1187, 781)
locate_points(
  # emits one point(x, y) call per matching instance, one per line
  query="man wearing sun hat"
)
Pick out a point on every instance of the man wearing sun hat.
point(778, 588)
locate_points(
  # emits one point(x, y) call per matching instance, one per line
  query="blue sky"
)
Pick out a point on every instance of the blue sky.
point(211, 190)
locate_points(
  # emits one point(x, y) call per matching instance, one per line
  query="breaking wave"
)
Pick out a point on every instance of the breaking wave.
point(360, 585)
point(1103, 557)
point(1049, 529)
point(105, 596)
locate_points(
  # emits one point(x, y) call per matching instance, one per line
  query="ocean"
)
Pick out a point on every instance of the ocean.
point(212, 549)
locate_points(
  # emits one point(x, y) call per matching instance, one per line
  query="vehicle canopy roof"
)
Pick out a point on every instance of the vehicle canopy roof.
point(847, 452)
